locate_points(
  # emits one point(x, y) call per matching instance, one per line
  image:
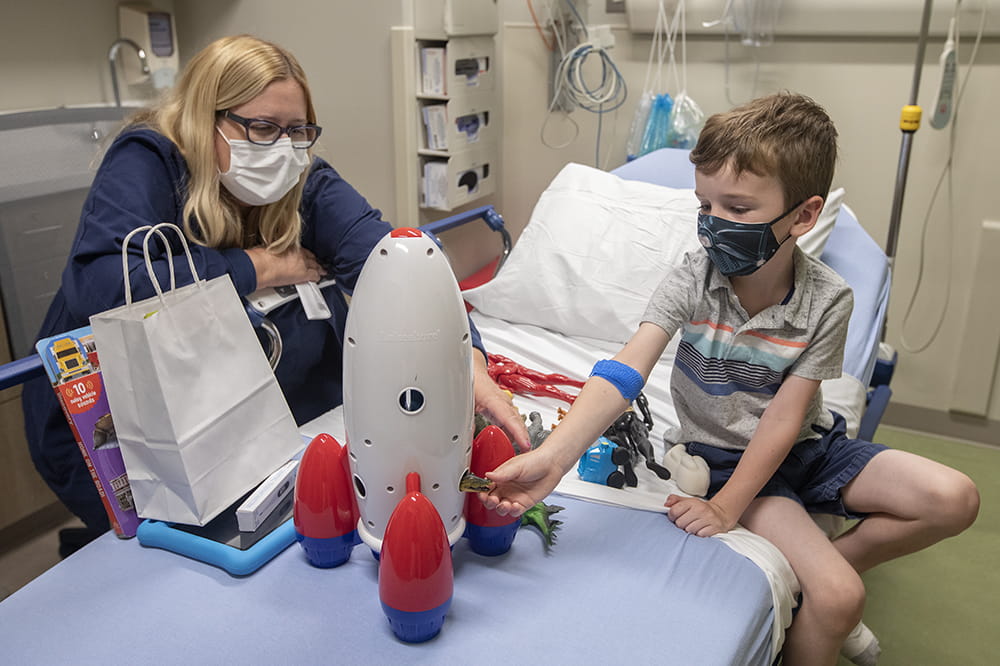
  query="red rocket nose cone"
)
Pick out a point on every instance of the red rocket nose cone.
point(405, 232)
point(490, 449)
point(415, 570)
point(324, 497)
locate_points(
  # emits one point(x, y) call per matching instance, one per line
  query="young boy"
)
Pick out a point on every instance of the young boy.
point(762, 324)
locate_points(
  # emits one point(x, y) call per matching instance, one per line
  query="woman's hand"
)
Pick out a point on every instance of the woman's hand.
point(497, 405)
point(290, 267)
point(696, 516)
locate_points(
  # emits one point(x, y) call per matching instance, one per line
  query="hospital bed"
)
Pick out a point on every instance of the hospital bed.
point(621, 582)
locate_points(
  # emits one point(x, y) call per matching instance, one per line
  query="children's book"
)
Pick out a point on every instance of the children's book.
point(71, 362)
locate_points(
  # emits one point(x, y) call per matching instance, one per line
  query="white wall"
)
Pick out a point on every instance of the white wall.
point(55, 53)
point(344, 49)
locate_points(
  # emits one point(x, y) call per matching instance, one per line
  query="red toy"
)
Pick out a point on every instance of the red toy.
point(326, 512)
point(516, 378)
point(415, 576)
point(489, 533)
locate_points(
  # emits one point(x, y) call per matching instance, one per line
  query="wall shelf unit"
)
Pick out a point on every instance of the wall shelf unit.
point(445, 111)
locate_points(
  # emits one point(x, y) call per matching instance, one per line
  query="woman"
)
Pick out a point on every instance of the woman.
point(225, 156)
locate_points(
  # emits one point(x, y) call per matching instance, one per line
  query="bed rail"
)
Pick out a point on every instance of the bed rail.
point(20, 371)
point(487, 213)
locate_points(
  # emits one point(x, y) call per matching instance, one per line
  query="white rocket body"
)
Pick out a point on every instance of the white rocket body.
point(408, 400)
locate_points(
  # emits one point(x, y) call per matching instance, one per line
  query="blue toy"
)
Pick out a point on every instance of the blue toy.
point(598, 464)
point(611, 461)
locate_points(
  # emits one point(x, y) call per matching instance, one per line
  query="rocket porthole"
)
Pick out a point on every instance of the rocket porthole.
point(430, 252)
point(359, 485)
point(384, 252)
point(454, 438)
point(464, 337)
point(351, 341)
point(411, 400)
point(436, 486)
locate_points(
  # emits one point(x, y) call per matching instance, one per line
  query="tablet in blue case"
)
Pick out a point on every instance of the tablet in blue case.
point(220, 542)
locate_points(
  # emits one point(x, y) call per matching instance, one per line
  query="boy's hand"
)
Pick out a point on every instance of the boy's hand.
point(521, 482)
point(697, 516)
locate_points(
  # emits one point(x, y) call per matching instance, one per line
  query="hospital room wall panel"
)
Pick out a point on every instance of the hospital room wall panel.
point(55, 53)
point(345, 51)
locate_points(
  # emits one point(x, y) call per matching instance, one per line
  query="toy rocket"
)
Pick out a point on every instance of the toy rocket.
point(415, 576)
point(325, 513)
point(489, 533)
point(408, 402)
point(408, 413)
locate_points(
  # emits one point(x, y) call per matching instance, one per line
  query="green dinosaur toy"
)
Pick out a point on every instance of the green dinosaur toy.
point(540, 516)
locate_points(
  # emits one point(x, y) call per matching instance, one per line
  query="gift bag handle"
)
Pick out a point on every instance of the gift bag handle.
point(125, 271)
point(149, 262)
point(150, 229)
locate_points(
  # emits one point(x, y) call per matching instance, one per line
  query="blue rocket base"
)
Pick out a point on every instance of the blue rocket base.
point(491, 541)
point(416, 626)
point(329, 552)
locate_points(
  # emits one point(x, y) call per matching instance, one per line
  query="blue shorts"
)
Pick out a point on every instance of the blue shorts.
point(813, 473)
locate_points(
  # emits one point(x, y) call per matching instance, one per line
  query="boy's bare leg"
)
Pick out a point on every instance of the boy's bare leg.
point(833, 595)
point(912, 503)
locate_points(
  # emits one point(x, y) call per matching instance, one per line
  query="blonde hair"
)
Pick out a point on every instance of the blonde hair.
point(786, 135)
point(225, 74)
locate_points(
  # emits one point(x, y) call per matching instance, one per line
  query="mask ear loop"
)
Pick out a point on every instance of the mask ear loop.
point(780, 218)
point(223, 135)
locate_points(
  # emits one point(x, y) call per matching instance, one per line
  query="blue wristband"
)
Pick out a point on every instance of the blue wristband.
point(626, 379)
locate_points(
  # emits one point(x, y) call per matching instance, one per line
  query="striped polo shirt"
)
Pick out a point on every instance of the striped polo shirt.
point(729, 365)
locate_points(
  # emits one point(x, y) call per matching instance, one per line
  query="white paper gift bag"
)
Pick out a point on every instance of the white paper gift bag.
point(198, 413)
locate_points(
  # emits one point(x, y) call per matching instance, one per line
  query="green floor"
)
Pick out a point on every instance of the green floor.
point(942, 605)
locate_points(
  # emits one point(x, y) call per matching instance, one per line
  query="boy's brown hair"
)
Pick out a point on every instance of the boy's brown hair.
point(787, 136)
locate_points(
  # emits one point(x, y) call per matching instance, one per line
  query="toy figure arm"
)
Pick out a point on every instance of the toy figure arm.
point(775, 436)
point(506, 366)
point(520, 384)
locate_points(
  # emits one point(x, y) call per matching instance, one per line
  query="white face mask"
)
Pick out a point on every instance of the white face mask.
point(260, 175)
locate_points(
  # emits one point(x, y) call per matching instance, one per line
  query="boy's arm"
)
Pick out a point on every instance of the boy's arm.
point(775, 436)
point(528, 478)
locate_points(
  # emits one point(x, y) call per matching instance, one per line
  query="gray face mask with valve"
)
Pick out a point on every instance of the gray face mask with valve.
point(739, 248)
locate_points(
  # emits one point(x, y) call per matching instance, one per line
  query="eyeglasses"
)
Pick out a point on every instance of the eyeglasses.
point(266, 133)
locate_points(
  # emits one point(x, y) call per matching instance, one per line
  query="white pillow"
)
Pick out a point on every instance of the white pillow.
point(814, 241)
point(592, 254)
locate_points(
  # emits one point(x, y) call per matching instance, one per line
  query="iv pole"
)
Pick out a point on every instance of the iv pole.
point(909, 123)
